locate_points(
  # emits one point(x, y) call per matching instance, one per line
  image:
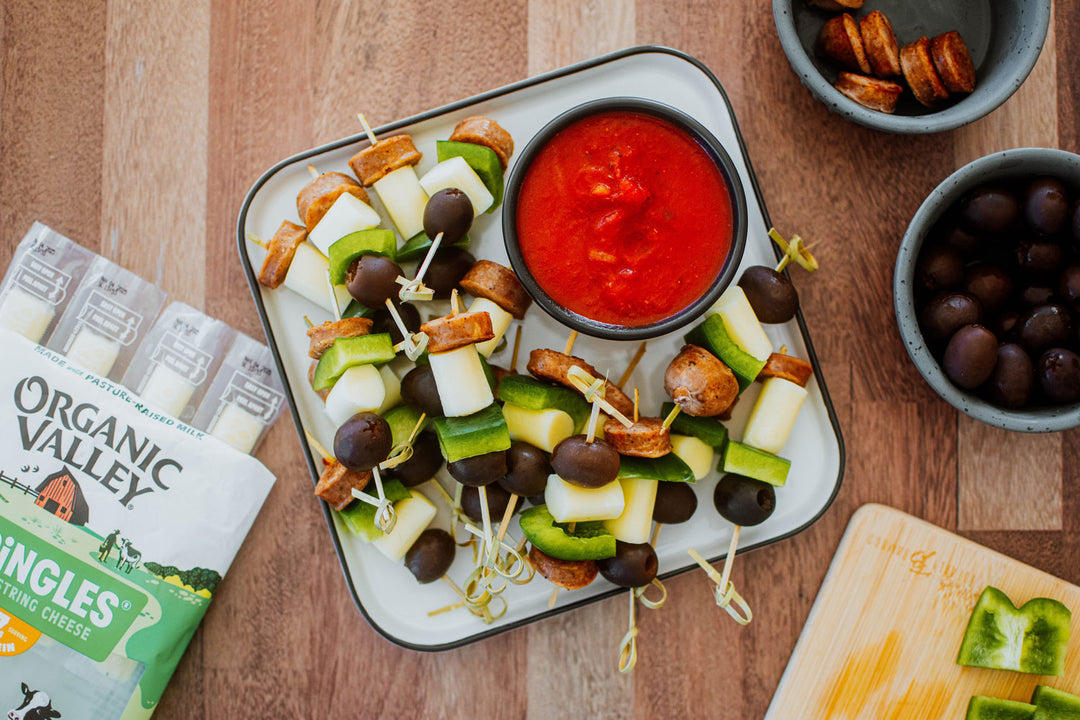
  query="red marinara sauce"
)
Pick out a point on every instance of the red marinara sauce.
point(624, 218)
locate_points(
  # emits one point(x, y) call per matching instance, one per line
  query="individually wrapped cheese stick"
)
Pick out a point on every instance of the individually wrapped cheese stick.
point(175, 363)
point(107, 318)
point(43, 275)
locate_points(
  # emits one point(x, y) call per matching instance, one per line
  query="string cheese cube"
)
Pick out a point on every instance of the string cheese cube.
point(347, 215)
point(774, 414)
point(694, 452)
point(393, 389)
point(455, 173)
point(742, 324)
point(500, 323)
point(309, 277)
point(414, 514)
point(461, 382)
point(634, 525)
point(26, 314)
point(359, 389)
point(404, 199)
point(569, 503)
point(543, 428)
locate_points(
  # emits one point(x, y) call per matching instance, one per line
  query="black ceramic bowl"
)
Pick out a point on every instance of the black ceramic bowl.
point(723, 163)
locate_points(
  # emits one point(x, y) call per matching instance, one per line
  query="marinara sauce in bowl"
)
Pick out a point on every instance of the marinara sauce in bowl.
point(624, 218)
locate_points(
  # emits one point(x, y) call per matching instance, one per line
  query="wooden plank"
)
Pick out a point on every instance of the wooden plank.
point(562, 32)
point(1010, 481)
point(51, 104)
point(882, 639)
point(154, 173)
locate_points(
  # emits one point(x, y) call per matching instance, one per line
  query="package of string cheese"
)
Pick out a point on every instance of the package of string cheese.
point(117, 523)
point(109, 313)
point(245, 397)
point(174, 364)
point(46, 269)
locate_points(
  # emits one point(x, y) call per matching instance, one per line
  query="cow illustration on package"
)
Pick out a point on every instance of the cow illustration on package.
point(129, 556)
point(36, 705)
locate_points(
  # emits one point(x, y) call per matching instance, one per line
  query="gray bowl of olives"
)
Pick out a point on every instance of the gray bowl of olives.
point(987, 289)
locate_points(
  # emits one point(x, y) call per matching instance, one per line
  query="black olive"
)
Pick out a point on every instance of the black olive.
point(1069, 287)
point(744, 501)
point(947, 313)
point(479, 470)
point(991, 210)
point(372, 279)
point(1010, 384)
point(497, 500)
point(450, 212)
point(1046, 205)
point(1043, 327)
point(425, 461)
point(970, 356)
point(585, 464)
point(675, 503)
point(961, 240)
point(939, 268)
point(528, 470)
point(1033, 295)
point(363, 441)
point(381, 322)
point(771, 294)
point(431, 555)
point(419, 390)
point(447, 268)
point(633, 566)
point(1039, 257)
point(1059, 375)
point(990, 285)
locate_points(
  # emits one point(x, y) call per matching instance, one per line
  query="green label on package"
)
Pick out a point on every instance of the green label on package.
point(63, 597)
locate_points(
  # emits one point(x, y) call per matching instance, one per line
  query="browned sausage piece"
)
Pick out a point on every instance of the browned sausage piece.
point(569, 574)
point(879, 41)
point(880, 95)
point(555, 366)
point(323, 336)
point(700, 382)
point(337, 482)
point(311, 380)
point(789, 368)
point(840, 40)
point(498, 284)
point(317, 196)
point(375, 162)
point(953, 62)
point(454, 331)
point(280, 253)
point(836, 4)
point(480, 130)
point(920, 74)
point(646, 438)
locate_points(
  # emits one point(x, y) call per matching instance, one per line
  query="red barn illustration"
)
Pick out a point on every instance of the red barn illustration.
point(61, 495)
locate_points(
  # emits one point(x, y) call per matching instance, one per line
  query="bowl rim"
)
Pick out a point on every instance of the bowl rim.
point(709, 143)
point(1006, 162)
point(949, 118)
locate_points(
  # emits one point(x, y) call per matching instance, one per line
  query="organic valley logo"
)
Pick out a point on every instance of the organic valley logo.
point(78, 434)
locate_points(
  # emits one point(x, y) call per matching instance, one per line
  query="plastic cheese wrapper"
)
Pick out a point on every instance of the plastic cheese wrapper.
point(245, 397)
point(116, 525)
point(43, 274)
point(108, 315)
point(174, 364)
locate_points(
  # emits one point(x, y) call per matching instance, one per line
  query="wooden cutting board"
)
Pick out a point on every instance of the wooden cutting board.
point(881, 640)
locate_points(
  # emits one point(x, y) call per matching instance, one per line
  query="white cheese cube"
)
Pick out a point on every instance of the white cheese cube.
point(543, 428)
point(460, 379)
point(167, 390)
point(309, 277)
point(569, 503)
point(414, 514)
point(500, 323)
point(696, 453)
point(404, 199)
point(359, 389)
point(774, 414)
point(237, 427)
point(393, 389)
point(634, 525)
point(742, 324)
point(455, 173)
point(93, 351)
point(26, 314)
point(347, 215)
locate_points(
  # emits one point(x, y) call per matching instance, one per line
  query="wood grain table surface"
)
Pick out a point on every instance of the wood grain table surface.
point(137, 128)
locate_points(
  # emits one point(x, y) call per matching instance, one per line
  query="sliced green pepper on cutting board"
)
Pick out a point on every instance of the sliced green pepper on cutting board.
point(989, 708)
point(1051, 704)
point(1031, 639)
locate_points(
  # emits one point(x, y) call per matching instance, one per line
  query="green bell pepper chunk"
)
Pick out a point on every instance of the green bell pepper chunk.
point(666, 468)
point(349, 351)
point(1051, 704)
point(987, 708)
point(482, 432)
point(532, 394)
point(589, 541)
point(416, 247)
point(708, 430)
point(353, 245)
point(482, 160)
point(1031, 639)
point(359, 517)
